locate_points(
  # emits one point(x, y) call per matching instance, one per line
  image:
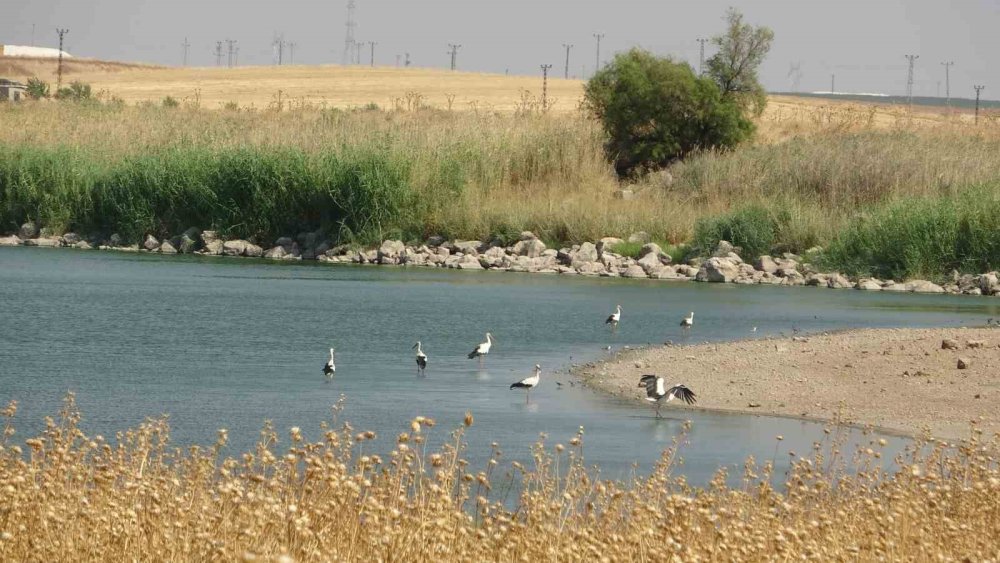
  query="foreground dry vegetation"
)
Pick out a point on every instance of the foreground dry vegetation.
point(346, 496)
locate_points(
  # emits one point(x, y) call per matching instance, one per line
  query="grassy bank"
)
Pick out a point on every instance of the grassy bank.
point(366, 175)
point(350, 495)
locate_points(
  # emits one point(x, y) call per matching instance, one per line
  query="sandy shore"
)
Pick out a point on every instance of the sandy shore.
point(897, 379)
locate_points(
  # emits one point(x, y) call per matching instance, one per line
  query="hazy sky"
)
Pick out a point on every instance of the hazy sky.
point(862, 42)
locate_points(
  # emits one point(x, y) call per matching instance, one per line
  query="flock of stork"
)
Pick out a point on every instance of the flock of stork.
point(656, 390)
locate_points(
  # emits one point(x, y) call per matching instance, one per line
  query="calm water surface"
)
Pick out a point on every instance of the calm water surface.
point(228, 343)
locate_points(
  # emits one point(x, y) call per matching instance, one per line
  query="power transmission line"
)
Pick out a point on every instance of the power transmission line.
point(61, 33)
point(357, 51)
point(407, 62)
point(218, 53)
point(597, 63)
point(701, 57)
point(545, 87)
point(349, 36)
point(567, 46)
point(453, 51)
point(372, 44)
point(230, 43)
point(909, 80)
point(947, 81)
point(185, 45)
point(979, 88)
point(291, 52)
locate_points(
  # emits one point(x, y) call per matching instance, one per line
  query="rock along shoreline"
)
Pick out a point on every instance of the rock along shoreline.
point(529, 254)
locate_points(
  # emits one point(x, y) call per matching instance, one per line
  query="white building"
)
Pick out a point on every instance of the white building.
point(25, 51)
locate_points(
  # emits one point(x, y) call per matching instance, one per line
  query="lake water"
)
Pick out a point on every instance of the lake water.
point(227, 343)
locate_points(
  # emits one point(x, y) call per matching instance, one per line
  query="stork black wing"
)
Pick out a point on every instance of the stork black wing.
point(683, 393)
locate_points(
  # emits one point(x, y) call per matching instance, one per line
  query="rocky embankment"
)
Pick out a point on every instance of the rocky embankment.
point(529, 254)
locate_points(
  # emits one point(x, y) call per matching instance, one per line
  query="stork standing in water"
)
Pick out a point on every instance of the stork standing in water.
point(482, 349)
point(656, 391)
point(528, 383)
point(421, 358)
point(330, 368)
point(613, 318)
point(688, 321)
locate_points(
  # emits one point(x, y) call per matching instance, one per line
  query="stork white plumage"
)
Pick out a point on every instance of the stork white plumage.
point(421, 358)
point(330, 368)
point(656, 391)
point(529, 383)
point(482, 349)
point(613, 318)
point(688, 321)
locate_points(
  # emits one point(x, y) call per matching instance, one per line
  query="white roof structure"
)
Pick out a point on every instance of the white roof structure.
point(25, 51)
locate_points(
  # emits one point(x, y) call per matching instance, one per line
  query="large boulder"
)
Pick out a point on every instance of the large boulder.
point(115, 240)
point(724, 249)
point(28, 230)
point(83, 245)
point(718, 270)
point(187, 243)
point(253, 251)
point(468, 262)
point(150, 243)
point(209, 236)
point(276, 253)
point(923, 286)
point(435, 240)
point(48, 242)
point(532, 248)
point(234, 247)
point(527, 235)
point(607, 244)
point(636, 271)
point(988, 283)
point(468, 247)
point(838, 281)
point(12, 240)
point(590, 268)
point(650, 263)
point(766, 264)
point(212, 247)
point(390, 251)
point(69, 239)
point(586, 253)
point(167, 248)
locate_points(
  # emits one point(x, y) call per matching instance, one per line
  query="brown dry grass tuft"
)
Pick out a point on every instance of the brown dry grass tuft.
point(69, 496)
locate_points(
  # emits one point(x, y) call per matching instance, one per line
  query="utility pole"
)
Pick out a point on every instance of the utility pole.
point(357, 51)
point(61, 33)
point(218, 53)
point(701, 56)
point(371, 61)
point(567, 47)
point(453, 51)
point(833, 83)
point(909, 80)
point(236, 57)
point(230, 43)
point(979, 89)
point(349, 37)
point(291, 52)
point(407, 63)
point(947, 81)
point(185, 45)
point(545, 87)
point(32, 35)
point(597, 64)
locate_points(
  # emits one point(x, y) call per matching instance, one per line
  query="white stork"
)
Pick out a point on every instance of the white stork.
point(688, 321)
point(528, 383)
point(656, 391)
point(421, 358)
point(330, 368)
point(613, 318)
point(482, 349)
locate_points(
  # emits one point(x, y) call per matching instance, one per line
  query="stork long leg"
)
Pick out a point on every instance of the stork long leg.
point(658, 410)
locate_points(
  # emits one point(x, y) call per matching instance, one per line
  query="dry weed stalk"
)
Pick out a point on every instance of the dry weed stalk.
point(69, 496)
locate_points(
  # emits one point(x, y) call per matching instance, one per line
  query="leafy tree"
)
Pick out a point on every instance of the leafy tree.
point(741, 50)
point(655, 110)
point(36, 89)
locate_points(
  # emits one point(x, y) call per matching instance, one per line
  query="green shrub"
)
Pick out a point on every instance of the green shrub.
point(76, 92)
point(753, 228)
point(37, 89)
point(923, 237)
point(655, 111)
point(170, 102)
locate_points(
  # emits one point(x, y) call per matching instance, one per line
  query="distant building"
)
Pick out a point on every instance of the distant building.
point(25, 51)
point(12, 91)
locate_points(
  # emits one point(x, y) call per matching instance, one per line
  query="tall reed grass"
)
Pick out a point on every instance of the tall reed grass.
point(349, 496)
